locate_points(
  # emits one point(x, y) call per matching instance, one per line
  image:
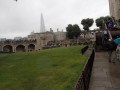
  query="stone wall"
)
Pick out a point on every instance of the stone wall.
point(60, 35)
point(16, 46)
point(114, 6)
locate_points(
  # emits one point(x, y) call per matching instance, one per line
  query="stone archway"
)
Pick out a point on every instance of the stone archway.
point(8, 48)
point(31, 47)
point(20, 48)
point(0, 48)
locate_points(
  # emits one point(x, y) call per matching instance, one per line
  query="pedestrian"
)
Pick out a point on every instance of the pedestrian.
point(111, 50)
point(118, 52)
point(110, 24)
point(105, 36)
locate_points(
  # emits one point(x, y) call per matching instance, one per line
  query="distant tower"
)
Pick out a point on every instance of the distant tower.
point(42, 25)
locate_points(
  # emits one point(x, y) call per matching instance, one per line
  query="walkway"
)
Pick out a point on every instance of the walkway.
point(105, 75)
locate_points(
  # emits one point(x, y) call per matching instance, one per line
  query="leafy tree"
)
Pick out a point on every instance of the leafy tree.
point(73, 31)
point(101, 21)
point(87, 23)
point(106, 18)
point(86, 27)
point(76, 30)
point(69, 30)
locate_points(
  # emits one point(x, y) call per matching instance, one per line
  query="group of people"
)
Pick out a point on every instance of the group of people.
point(112, 47)
point(111, 25)
point(113, 51)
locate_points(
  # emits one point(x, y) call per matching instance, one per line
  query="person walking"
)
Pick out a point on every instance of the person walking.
point(111, 50)
point(118, 52)
point(110, 24)
point(117, 41)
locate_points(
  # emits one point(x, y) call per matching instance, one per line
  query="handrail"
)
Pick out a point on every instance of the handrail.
point(84, 49)
point(83, 82)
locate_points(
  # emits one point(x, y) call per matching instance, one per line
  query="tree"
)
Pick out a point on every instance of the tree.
point(99, 22)
point(87, 23)
point(106, 18)
point(69, 30)
point(76, 31)
point(102, 20)
point(73, 31)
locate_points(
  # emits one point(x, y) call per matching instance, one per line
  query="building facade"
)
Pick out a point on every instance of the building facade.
point(34, 41)
point(114, 6)
point(44, 40)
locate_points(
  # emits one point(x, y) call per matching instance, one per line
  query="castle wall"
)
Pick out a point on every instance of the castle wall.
point(114, 6)
point(43, 39)
point(40, 41)
point(5, 46)
point(59, 36)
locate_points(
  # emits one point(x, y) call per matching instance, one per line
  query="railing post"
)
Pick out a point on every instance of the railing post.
point(84, 82)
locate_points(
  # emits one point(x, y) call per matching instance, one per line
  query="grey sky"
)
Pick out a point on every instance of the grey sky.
point(22, 17)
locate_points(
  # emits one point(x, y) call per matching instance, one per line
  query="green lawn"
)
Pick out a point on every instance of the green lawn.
point(52, 69)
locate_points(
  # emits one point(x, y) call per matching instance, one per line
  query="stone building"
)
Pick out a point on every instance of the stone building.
point(17, 46)
point(60, 35)
point(114, 6)
point(34, 41)
point(43, 38)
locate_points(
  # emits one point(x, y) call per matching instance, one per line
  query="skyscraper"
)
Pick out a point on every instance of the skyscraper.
point(42, 25)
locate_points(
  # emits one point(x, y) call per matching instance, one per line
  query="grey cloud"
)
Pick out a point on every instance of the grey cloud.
point(22, 17)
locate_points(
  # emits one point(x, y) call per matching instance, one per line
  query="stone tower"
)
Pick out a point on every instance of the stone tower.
point(114, 6)
point(42, 25)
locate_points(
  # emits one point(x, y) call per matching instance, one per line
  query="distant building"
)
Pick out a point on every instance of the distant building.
point(17, 38)
point(2, 39)
point(38, 41)
point(60, 35)
point(43, 38)
point(25, 38)
point(42, 24)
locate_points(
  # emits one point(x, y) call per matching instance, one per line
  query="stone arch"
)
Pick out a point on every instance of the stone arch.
point(31, 47)
point(7, 48)
point(0, 48)
point(20, 48)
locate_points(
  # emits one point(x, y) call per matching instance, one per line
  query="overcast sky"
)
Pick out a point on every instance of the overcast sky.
point(22, 17)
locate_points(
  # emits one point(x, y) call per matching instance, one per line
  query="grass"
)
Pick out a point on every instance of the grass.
point(52, 69)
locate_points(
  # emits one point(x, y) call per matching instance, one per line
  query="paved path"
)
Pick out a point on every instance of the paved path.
point(105, 75)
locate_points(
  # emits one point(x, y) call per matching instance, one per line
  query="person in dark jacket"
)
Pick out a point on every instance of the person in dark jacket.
point(111, 50)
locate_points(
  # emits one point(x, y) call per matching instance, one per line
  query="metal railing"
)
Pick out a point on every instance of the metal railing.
point(83, 82)
point(84, 49)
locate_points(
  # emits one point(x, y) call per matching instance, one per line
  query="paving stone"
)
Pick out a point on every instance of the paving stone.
point(116, 85)
point(115, 80)
point(101, 84)
point(105, 75)
point(96, 78)
point(97, 88)
point(108, 88)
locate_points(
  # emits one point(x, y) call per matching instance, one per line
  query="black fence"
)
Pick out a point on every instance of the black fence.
point(84, 49)
point(83, 82)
